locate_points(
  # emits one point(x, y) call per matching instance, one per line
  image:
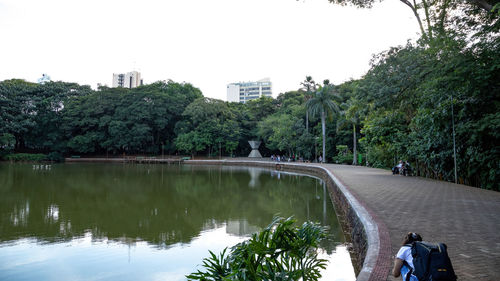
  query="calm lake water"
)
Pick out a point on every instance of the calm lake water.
point(147, 222)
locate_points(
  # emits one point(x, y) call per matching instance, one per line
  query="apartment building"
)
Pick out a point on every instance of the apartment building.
point(246, 91)
point(127, 80)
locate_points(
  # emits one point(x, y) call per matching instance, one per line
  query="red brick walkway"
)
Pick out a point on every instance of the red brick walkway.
point(467, 219)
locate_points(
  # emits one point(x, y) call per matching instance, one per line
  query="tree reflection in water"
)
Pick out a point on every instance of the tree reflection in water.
point(158, 204)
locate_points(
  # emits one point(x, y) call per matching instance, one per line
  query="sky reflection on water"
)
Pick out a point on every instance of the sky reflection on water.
point(112, 260)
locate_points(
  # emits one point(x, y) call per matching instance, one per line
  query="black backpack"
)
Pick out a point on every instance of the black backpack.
point(431, 262)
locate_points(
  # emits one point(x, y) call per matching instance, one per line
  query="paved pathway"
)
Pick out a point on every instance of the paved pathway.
point(467, 219)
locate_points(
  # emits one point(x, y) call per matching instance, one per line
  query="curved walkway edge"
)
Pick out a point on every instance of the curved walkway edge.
point(376, 263)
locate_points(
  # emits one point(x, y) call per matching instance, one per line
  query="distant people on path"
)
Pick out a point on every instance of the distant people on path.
point(403, 263)
point(290, 158)
point(402, 168)
point(407, 170)
point(397, 169)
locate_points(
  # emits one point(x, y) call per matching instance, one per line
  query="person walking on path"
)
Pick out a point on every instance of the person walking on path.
point(403, 263)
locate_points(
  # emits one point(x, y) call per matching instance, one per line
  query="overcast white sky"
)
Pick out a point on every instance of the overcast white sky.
point(208, 43)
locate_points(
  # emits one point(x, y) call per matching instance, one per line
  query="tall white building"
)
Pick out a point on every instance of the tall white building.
point(245, 91)
point(127, 80)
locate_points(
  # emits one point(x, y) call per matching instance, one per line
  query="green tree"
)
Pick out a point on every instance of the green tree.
point(350, 116)
point(255, 111)
point(281, 132)
point(434, 17)
point(118, 120)
point(414, 95)
point(7, 143)
point(323, 103)
point(306, 145)
point(17, 109)
point(32, 113)
point(211, 124)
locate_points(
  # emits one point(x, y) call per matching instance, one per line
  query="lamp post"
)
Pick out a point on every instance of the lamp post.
point(454, 146)
point(316, 148)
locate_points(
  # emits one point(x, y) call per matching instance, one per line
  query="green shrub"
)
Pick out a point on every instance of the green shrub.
point(279, 252)
point(344, 155)
point(3, 154)
point(25, 157)
point(343, 159)
point(55, 156)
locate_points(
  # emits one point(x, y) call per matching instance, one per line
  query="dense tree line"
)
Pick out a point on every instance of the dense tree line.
point(430, 102)
point(69, 118)
point(163, 117)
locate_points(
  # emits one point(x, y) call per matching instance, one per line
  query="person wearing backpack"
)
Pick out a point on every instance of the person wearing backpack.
point(403, 263)
point(423, 261)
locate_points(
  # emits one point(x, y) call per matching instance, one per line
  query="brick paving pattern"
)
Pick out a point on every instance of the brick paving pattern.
point(465, 218)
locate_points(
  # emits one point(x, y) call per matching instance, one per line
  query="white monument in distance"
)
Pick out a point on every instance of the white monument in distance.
point(255, 149)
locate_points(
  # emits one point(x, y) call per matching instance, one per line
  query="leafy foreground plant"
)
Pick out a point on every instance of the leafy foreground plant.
point(279, 252)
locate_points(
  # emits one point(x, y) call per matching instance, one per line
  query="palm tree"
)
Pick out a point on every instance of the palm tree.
point(323, 103)
point(310, 87)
